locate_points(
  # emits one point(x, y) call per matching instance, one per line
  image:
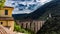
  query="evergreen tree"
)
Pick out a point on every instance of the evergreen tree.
point(51, 26)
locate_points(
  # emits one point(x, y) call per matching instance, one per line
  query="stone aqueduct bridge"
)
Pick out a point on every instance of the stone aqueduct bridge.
point(33, 25)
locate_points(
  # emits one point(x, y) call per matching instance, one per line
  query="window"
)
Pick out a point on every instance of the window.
point(1, 22)
point(6, 12)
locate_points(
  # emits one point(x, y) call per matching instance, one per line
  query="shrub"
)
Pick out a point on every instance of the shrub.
point(18, 28)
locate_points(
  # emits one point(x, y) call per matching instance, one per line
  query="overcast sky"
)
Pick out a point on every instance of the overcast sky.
point(15, 11)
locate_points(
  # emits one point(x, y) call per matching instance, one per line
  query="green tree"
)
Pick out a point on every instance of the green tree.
point(51, 26)
point(2, 3)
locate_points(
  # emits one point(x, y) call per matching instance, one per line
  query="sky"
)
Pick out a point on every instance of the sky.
point(28, 9)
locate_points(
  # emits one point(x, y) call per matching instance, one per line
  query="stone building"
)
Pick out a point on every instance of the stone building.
point(6, 19)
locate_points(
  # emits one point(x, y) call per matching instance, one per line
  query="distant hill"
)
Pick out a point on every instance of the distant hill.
point(19, 16)
point(51, 7)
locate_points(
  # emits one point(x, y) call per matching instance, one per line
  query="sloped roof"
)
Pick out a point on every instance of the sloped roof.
point(4, 30)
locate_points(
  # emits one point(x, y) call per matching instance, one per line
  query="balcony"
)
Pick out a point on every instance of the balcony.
point(6, 18)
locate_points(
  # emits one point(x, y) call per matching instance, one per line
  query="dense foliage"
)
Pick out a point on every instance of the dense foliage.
point(2, 3)
point(51, 26)
point(18, 28)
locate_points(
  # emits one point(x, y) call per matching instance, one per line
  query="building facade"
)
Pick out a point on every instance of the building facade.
point(6, 19)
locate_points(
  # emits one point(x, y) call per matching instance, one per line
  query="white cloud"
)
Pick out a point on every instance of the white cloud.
point(44, 1)
point(9, 3)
